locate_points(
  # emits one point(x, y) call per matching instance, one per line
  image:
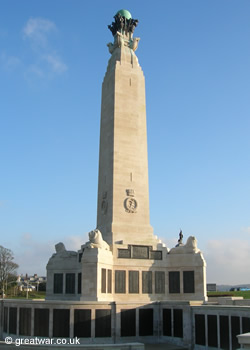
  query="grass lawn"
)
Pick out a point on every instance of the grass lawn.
point(245, 295)
point(41, 295)
point(31, 295)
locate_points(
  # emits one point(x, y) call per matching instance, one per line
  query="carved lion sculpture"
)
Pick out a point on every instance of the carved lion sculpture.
point(134, 44)
point(60, 247)
point(111, 48)
point(96, 240)
point(189, 248)
point(61, 251)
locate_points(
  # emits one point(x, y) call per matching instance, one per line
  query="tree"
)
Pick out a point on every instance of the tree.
point(42, 287)
point(7, 267)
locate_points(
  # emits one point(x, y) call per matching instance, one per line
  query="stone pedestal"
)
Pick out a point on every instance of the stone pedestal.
point(93, 262)
point(244, 340)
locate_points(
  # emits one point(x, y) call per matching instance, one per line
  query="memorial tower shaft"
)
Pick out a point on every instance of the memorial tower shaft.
point(123, 196)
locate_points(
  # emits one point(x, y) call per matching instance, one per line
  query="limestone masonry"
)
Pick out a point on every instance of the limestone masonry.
point(124, 285)
point(123, 260)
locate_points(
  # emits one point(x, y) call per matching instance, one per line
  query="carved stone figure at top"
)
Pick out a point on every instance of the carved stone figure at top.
point(96, 241)
point(62, 252)
point(124, 23)
point(134, 44)
point(180, 238)
point(122, 29)
point(60, 247)
point(189, 248)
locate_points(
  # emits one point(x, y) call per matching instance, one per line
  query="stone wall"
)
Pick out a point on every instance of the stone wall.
point(189, 324)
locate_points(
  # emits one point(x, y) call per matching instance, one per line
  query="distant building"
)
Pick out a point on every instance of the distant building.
point(243, 289)
point(30, 282)
point(211, 287)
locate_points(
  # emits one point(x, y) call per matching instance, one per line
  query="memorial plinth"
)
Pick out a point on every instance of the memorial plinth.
point(124, 285)
point(123, 260)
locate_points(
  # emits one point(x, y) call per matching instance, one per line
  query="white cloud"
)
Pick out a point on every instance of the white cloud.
point(46, 61)
point(227, 261)
point(170, 242)
point(75, 242)
point(55, 63)
point(32, 254)
point(38, 29)
point(43, 60)
point(8, 62)
point(34, 70)
point(246, 229)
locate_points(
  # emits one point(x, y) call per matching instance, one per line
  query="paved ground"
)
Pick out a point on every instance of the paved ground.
point(4, 346)
point(163, 347)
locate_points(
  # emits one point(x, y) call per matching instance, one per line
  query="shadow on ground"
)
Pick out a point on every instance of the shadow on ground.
point(163, 347)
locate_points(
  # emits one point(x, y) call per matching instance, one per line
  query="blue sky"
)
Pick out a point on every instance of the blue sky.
point(196, 59)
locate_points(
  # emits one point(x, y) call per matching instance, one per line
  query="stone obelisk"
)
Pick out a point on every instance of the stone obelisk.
point(123, 262)
point(123, 198)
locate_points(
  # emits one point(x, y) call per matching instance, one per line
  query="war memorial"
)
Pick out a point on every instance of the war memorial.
point(124, 287)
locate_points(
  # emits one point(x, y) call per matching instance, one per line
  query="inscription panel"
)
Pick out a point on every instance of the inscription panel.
point(79, 283)
point(224, 332)
point(41, 323)
point(212, 331)
point(146, 321)
point(174, 282)
point(245, 324)
point(147, 282)
point(104, 279)
point(12, 320)
point(140, 252)
point(5, 319)
point(124, 253)
point(61, 323)
point(133, 281)
point(120, 281)
point(25, 321)
point(167, 322)
point(235, 330)
point(103, 323)
point(188, 281)
point(159, 282)
point(128, 323)
point(178, 323)
point(109, 281)
point(70, 283)
point(200, 333)
point(155, 255)
point(82, 323)
point(58, 283)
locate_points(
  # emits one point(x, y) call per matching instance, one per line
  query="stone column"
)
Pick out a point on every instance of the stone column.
point(123, 199)
point(51, 322)
point(71, 322)
point(230, 332)
point(137, 321)
point(92, 323)
point(172, 321)
point(32, 320)
point(218, 330)
point(206, 330)
point(1, 318)
point(114, 334)
point(17, 321)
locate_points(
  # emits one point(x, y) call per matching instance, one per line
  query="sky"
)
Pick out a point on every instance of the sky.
point(196, 60)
